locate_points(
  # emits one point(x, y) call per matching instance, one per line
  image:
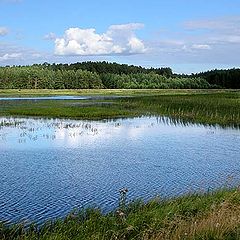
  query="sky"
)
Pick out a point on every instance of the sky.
point(186, 35)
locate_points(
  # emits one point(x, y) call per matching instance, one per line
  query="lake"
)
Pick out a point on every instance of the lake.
point(50, 166)
point(45, 98)
point(57, 97)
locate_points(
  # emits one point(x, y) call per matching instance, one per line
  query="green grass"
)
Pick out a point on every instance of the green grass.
point(197, 216)
point(200, 106)
point(209, 108)
point(124, 92)
point(47, 92)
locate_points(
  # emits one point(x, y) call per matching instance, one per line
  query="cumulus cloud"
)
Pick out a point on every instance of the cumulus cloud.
point(118, 39)
point(3, 31)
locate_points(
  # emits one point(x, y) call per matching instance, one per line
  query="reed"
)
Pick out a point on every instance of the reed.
point(212, 215)
point(208, 107)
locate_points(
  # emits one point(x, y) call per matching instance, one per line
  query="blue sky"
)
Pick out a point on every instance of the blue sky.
point(186, 35)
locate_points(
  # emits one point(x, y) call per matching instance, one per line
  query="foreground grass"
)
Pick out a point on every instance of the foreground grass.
point(201, 106)
point(199, 216)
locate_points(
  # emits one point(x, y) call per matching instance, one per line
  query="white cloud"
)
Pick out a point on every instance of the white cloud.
point(136, 45)
point(223, 30)
point(126, 27)
point(206, 41)
point(118, 39)
point(3, 31)
point(201, 46)
point(222, 24)
point(10, 56)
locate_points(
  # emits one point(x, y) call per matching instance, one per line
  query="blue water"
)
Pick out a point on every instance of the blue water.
point(48, 167)
point(64, 97)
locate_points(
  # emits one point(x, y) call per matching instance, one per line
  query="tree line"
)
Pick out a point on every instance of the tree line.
point(40, 78)
point(107, 67)
point(89, 75)
point(43, 78)
point(225, 78)
point(151, 81)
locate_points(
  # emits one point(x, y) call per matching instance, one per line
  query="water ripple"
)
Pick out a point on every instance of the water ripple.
point(49, 167)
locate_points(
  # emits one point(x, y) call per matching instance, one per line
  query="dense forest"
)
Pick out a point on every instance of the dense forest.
point(88, 75)
point(106, 67)
point(225, 78)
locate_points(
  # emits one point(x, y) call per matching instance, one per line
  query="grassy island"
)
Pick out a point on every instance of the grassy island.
point(201, 106)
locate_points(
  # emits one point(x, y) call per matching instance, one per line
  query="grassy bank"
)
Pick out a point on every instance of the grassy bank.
point(122, 92)
point(209, 108)
point(199, 216)
point(201, 106)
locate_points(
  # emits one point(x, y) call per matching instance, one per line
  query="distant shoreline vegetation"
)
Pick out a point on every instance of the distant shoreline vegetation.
point(104, 75)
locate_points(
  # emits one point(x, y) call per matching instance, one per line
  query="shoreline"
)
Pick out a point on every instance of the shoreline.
point(197, 106)
point(192, 216)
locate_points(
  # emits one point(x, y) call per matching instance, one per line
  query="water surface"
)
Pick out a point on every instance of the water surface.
point(63, 97)
point(50, 166)
point(45, 98)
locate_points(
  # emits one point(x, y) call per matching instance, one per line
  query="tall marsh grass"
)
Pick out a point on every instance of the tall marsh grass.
point(213, 108)
point(197, 216)
point(208, 107)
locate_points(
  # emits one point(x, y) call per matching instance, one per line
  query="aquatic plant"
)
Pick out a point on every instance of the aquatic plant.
point(208, 107)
